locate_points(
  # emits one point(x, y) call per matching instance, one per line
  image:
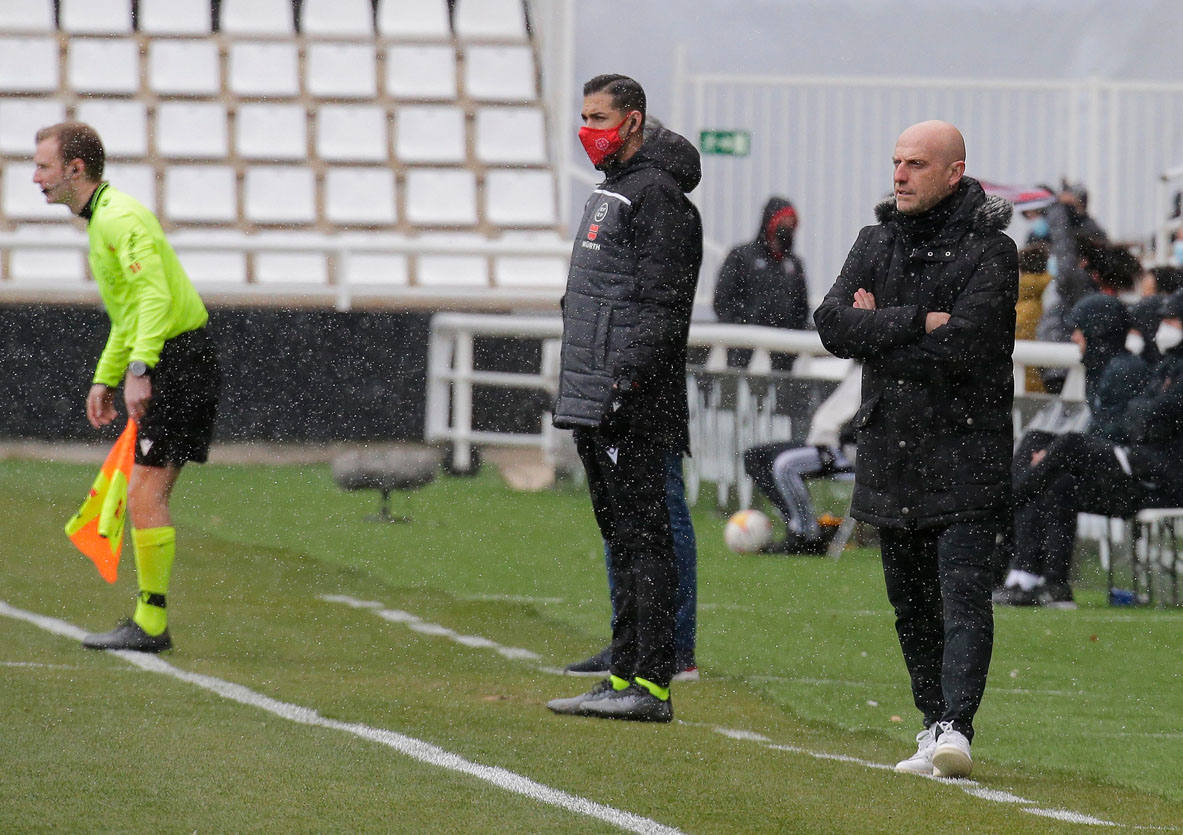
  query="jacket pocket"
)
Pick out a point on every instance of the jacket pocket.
point(866, 412)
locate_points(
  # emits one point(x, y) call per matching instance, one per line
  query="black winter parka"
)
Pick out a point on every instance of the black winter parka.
point(934, 428)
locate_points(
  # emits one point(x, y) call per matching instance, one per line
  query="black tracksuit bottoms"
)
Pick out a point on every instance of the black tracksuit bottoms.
point(939, 582)
point(626, 478)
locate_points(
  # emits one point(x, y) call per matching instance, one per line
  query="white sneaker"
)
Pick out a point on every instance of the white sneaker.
point(950, 757)
point(921, 761)
point(689, 674)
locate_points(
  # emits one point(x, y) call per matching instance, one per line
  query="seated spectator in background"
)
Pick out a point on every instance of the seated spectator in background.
point(763, 282)
point(1161, 280)
point(1033, 280)
point(1122, 466)
point(780, 469)
point(1145, 317)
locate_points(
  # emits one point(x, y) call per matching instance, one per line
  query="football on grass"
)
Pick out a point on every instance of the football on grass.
point(747, 532)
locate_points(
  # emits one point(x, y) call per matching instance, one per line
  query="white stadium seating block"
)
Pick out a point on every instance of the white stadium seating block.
point(510, 271)
point(422, 19)
point(510, 135)
point(279, 194)
point(490, 19)
point(272, 132)
point(452, 271)
point(137, 180)
point(257, 17)
point(437, 197)
point(26, 16)
point(351, 133)
point(20, 119)
point(22, 199)
point(184, 67)
point(58, 266)
point(122, 123)
point(430, 133)
point(200, 194)
point(500, 73)
point(337, 17)
point(520, 198)
point(28, 65)
point(341, 71)
point(421, 72)
point(103, 65)
point(191, 130)
point(360, 196)
point(175, 17)
point(96, 17)
point(264, 69)
point(377, 268)
point(206, 266)
point(294, 268)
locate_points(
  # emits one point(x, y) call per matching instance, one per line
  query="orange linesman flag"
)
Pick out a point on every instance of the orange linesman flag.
point(97, 528)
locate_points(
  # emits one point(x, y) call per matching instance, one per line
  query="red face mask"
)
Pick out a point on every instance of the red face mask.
point(601, 143)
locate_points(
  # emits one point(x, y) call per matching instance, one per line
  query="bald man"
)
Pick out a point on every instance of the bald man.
point(926, 301)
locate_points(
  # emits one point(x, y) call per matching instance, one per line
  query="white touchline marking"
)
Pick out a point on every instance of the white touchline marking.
point(417, 749)
point(1071, 817)
point(508, 598)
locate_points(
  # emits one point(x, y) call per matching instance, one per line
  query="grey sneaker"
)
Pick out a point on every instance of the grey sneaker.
point(950, 757)
point(597, 665)
point(1057, 596)
point(634, 703)
point(921, 761)
point(573, 706)
point(129, 635)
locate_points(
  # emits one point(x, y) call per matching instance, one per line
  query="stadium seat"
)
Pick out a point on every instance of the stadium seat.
point(264, 69)
point(337, 17)
point(20, 119)
point(510, 271)
point(200, 194)
point(441, 197)
point(96, 17)
point(501, 19)
point(510, 136)
point(22, 199)
point(291, 268)
point(360, 197)
point(271, 132)
point(351, 133)
point(430, 133)
point(174, 17)
point(414, 19)
point(208, 266)
point(26, 16)
point(452, 271)
point(137, 180)
point(335, 70)
point(184, 67)
point(279, 194)
point(520, 198)
point(258, 17)
point(377, 268)
point(29, 65)
point(191, 130)
point(421, 72)
point(122, 123)
point(500, 73)
point(103, 65)
point(55, 266)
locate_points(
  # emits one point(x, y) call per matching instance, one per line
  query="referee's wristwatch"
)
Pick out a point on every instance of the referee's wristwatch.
point(139, 368)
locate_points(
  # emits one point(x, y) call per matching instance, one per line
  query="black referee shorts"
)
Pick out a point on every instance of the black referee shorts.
point(180, 419)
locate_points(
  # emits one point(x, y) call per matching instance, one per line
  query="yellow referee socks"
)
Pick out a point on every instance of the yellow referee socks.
point(155, 549)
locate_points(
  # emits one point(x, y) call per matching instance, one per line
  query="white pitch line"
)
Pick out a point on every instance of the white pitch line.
point(417, 749)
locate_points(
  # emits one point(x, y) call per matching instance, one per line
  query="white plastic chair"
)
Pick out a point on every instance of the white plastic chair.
point(28, 65)
point(452, 271)
point(360, 196)
point(54, 267)
point(341, 71)
point(500, 73)
point(22, 200)
point(291, 268)
point(200, 194)
point(351, 133)
point(510, 135)
point(421, 72)
point(337, 18)
point(122, 123)
point(419, 19)
point(20, 119)
point(184, 67)
point(103, 65)
point(264, 69)
point(258, 17)
point(441, 197)
point(271, 132)
point(430, 133)
point(32, 16)
point(135, 179)
point(501, 19)
point(520, 198)
point(175, 17)
point(96, 17)
point(279, 194)
point(512, 271)
point(191, 130)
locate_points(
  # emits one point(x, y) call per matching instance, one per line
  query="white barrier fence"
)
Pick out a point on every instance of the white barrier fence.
point(722, 424)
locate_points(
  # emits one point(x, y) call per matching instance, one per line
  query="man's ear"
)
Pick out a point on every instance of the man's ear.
point(958, 171)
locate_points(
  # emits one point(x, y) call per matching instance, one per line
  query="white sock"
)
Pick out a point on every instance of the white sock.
point(1023, 579)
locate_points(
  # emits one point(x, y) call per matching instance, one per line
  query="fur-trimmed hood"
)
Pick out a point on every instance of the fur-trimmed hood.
point(993, 215)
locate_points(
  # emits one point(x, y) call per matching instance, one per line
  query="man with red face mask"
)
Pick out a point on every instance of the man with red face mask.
point(622, 380)
point(763, 282)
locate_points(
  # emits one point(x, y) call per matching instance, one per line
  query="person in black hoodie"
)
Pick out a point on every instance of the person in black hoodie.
point(926, 301)
point(1045, 526)
point(622, 380)
point(763, 282)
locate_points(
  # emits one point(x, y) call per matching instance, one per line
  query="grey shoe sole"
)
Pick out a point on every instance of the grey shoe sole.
point(631, 710)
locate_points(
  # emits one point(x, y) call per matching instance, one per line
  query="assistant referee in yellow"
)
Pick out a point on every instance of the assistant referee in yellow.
point(158, 347)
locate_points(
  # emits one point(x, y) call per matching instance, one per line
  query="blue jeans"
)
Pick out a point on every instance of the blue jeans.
point(685, 563)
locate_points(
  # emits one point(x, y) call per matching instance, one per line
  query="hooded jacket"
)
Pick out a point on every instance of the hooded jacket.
point(630, 292)
point(757, 288)
point(1112, 375)
point(1155, 426)
point(934, 428)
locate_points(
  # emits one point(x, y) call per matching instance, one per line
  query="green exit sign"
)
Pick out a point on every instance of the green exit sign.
point(732, 143)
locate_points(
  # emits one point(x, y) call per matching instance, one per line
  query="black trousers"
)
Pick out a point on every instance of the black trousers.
point(939, 582)
point(626, 478)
